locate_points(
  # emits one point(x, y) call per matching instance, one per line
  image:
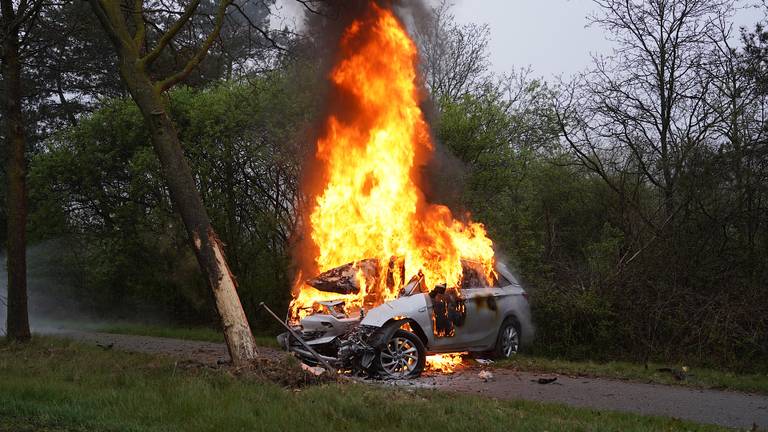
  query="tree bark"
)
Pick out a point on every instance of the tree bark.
point(186, 198)
point(17, 319)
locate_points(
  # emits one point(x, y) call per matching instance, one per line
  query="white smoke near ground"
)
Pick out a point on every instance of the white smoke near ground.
point(50, 301)
point(56, 299)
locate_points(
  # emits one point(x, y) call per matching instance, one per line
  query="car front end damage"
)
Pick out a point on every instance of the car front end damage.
point(355, 345)
point(391, 339)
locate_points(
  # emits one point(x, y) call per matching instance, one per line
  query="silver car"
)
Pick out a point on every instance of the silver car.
point(393, 339)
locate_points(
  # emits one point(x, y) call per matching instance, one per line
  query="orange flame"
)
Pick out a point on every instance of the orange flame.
point(375, 142)
point(445, 363)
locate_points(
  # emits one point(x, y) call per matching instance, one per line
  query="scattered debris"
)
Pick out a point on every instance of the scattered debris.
point(314, 370)
point(545, 380)
point(105, 347)
point(486, 376)
point(484, 362)
point(286, 371)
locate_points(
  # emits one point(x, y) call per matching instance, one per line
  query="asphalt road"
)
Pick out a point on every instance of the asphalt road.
point(725, 408)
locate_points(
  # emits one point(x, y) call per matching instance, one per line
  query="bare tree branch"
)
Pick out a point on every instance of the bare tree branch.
point(171, 33)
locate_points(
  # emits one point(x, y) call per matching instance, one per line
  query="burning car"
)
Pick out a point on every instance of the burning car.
point(392, 340)
point(433, 285)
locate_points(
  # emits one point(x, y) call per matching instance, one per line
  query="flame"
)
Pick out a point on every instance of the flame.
point(374, 143)
point(445, 363)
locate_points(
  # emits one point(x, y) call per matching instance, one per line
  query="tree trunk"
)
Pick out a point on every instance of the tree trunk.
point(181, 184)
point(17, 317)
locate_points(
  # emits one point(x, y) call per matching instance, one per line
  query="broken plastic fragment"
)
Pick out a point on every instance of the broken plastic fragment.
point(486, 376)
point(314, 370)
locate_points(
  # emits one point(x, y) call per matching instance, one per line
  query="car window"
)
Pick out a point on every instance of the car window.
point(472, 278)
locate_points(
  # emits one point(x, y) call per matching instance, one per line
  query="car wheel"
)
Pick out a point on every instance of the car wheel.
point(508, 342)
point(403, 356)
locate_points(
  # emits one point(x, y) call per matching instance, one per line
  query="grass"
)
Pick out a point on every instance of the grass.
point(696, 377)
point(188, 333)
point(55, 385)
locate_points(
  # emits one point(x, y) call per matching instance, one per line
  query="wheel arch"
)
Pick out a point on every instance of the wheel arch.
point(390, 327)
point(511, 315)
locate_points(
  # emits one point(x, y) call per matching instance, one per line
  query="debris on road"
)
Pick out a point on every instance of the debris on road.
point(486, 376)
point(545, 380)
point(484, 362)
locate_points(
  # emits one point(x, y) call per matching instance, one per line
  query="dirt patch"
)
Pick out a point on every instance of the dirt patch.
point(285, 371)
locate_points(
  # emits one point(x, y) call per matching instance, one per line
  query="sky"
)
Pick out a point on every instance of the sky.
point(550, 36)
point(547, 35)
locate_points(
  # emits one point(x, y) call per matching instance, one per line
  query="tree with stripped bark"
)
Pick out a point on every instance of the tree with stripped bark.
point(139, 42)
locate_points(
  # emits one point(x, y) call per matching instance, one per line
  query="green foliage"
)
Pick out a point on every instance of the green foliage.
point(99, 184)
point(604, 286)
point(575, 322)
point(609, 277)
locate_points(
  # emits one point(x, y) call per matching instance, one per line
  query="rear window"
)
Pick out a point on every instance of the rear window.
point(501, 281)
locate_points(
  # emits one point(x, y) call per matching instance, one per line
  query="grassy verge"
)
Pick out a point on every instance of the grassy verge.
point(188, 333)
point(695, 377)
point(57, 385)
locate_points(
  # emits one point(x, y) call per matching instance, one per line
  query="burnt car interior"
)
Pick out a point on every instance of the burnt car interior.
point(448, 310)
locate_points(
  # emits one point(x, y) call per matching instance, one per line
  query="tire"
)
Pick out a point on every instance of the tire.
point(508, 340)
point(402, 357)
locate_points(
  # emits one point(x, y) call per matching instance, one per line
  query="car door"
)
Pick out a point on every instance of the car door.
point(476, 326)
point(487, 307)
point(482, 319)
